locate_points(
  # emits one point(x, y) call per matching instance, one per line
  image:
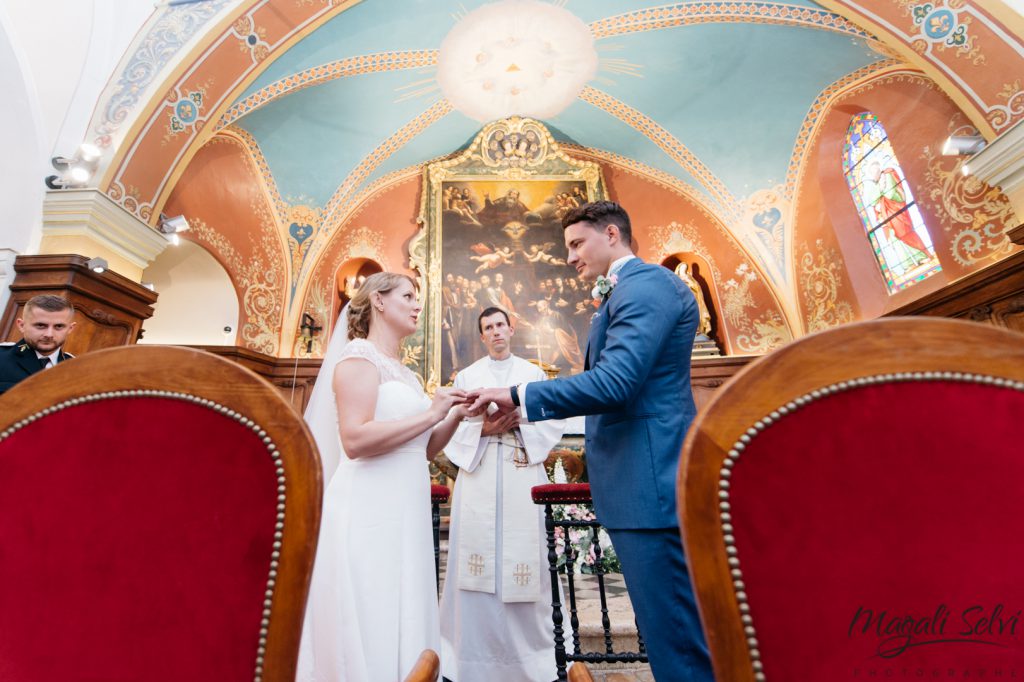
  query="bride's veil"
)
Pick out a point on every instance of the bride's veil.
point(321, 412)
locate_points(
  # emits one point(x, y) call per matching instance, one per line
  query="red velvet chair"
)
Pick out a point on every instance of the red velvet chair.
point(851, 507)
point(159, 510)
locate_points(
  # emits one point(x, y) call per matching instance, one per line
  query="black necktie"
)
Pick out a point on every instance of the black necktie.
point(44, 362)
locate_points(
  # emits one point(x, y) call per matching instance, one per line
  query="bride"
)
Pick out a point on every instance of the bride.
point(372, 605)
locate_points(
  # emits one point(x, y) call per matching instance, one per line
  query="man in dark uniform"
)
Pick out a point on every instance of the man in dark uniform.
point(44, 324)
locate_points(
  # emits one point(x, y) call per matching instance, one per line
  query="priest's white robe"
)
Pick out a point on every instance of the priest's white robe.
point(496, 625)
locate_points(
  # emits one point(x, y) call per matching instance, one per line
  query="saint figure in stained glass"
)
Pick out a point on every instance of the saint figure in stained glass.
point(891, 218)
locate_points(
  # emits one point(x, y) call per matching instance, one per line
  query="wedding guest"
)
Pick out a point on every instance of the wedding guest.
point(45, 322)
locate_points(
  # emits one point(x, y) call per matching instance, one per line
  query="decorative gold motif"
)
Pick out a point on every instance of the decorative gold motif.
point(676, 238)
point(942, 25)
point(820, 283)
point(302, 224)
point(540, 159)
point(259, 278)
point(765, 333)
point(974, 213)
point(1000, 115)
point(518, 144)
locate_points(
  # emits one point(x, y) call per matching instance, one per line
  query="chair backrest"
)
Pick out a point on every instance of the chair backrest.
point(427, 668)
point(851, 506)
point(159, 510)
point(578, 672)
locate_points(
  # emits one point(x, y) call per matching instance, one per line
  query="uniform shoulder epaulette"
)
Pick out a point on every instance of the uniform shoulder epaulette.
point(6, 343)
point(69, 356)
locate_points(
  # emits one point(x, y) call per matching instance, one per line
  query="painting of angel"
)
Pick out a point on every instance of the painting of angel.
point(502, 246)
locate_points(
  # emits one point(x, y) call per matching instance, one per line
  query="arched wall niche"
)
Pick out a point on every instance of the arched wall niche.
point(377, 230)
point(197, 303)
point(226, 202)
point(348, 279)
point(701, 273)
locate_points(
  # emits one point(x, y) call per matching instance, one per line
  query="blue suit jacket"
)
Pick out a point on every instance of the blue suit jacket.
point(636, 395)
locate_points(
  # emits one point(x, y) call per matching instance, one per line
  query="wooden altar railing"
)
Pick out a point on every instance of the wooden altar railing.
point(552, 495)
point(439, 494)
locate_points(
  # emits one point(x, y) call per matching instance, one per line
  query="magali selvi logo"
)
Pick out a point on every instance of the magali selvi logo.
point(892, 634)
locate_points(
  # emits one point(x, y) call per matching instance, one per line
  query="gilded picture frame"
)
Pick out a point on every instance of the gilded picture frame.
point(491, 236)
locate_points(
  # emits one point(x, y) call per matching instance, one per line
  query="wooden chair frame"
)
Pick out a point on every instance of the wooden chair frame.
point(819, 362)
point(242, 395)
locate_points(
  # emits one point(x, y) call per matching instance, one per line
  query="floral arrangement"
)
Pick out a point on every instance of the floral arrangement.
point(581, 541)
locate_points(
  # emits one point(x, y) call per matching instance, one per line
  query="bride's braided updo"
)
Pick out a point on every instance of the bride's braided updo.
point(360, 307)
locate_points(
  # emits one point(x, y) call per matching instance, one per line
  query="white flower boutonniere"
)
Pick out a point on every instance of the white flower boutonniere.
point(603, 289)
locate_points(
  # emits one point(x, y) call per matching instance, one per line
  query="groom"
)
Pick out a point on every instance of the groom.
point(635, 391)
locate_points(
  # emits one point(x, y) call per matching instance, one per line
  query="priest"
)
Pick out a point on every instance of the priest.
point(495, 616)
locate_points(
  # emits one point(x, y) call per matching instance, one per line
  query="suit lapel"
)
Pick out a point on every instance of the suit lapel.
point(597, 325)
point(602, 315)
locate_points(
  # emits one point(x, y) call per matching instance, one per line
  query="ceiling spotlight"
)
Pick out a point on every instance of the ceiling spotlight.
point(89, 153)
point(79, 175)
point(963, 145)
point(55, 182)
point(965, 170)
point(76, 171)
point(97, 265)
point(172, 225)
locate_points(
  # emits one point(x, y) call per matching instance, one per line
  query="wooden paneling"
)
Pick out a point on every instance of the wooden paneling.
point(994, 296)
point(707, 374)
point(109, 308)
point(1016, 234)
point(293, 377)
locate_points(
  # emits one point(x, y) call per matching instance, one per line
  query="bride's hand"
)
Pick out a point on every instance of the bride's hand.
point(445, 399)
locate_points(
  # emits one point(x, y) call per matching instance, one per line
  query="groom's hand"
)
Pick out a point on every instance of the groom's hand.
point(482, 397)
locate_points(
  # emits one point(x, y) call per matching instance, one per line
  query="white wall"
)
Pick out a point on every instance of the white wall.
point(56, 56)
point(196, 302)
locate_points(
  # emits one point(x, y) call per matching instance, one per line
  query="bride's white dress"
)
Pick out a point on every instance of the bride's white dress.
point(372, 605)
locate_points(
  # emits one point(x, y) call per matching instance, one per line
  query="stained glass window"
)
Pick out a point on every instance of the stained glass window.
point(891, 217)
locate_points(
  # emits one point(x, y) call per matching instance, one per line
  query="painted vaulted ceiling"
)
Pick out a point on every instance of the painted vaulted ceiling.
point(715, 94)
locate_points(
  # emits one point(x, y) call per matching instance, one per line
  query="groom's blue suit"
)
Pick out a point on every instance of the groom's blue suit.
point(637, 398)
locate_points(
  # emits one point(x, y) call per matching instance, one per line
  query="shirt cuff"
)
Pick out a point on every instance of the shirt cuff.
point(523, 416)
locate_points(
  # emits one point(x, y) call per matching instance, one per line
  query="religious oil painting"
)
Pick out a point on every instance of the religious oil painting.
point(891, 217)
point(495, 232)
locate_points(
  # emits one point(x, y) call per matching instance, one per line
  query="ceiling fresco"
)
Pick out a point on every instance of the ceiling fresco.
point(722, 102)
point(714, 94)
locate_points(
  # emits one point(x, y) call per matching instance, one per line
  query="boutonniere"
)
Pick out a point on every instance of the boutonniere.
point(604, 286)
